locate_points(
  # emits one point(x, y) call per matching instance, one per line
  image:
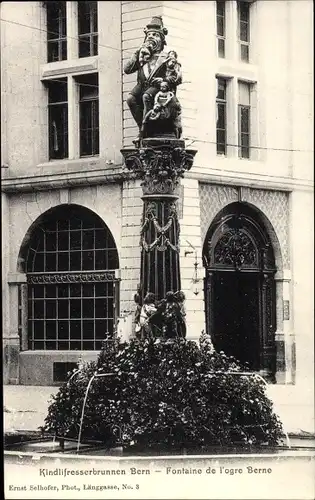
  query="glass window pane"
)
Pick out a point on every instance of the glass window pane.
point(39, 345)
point(110, 326)
point(244, 93)
point(75, 308)
point(100, 308)
point(75, 290)
point(244, 11)
point(221, 142)
point(87, 290)
point(58, 131)
point(38, 264)
point(221, 83)
point(221, 116)
point(84, 46)
point(63, 291)
point(57, 91)
point(88, 308)
point(88, 346)
point(63, 261)
point(88, 330)
point(112, 260)
point(63, 330)
point(88, 260)
point(84, 18)
point(100, 329)
point(220, 26)
point(51, 308)
point(75, 330)
point(100, 259)
point(221, 47)
point(100, 290)
point(50, 242)
point(38, 309)
point(75, 240)
point(51, 330)
point(220, 7)
point(75, 261)
point(75, 346)
point(244, 53)
point(38, 329)
point(63, 50)
point(244, 32)
point(88, 239)
point(50, 291)
point(245, 120)
point(101, 239)
point(50, 262)
point(38, 291)
point(75, 223)
point(95, 45)
point(52, 51)
point(63, 346)
point(63, 240)
point(51, 345)
point(63, 309)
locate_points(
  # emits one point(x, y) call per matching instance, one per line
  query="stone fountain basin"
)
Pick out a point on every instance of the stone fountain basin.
point(34, 442)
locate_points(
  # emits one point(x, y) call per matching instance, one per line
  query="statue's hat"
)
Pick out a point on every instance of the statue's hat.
point(156, 24)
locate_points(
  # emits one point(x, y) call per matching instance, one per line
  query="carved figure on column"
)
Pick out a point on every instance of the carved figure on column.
point(157, 72)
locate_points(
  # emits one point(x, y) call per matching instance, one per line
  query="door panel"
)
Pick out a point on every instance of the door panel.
point(236, 325)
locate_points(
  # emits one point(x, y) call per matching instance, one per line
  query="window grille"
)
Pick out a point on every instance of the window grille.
point(72, 289)
point(87, 29)
point(56, 31)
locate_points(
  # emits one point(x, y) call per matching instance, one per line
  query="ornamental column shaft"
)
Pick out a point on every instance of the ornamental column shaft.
point(160, 163)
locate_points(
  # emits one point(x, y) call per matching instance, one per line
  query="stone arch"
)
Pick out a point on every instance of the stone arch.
point(241, 251)
point(41, 218)
point(265, 223)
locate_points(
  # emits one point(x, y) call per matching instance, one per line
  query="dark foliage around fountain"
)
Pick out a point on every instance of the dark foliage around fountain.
point(165, 394)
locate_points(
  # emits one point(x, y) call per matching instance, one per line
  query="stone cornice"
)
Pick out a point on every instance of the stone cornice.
point(260, 181)
point(117, 174)
point(44, 182)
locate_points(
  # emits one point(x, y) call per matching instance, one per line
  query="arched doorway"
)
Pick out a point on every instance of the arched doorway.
point(240, 288)
point(69, 257)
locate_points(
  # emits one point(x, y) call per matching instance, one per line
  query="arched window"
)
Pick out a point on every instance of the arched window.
point(70, 262)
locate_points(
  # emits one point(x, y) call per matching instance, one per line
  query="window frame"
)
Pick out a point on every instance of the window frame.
point(244, 150)
point(89, 104)
point(242, 42)
point(221, 38)
point(221, 102)
point(61, 33)
point(62, 105)
point(90, 37)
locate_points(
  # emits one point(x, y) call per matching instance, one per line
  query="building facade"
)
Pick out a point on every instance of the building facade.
point(71, 214)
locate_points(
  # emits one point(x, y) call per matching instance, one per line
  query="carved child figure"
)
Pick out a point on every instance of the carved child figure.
point(173, 69)
point(161, 101)
point(147, 311)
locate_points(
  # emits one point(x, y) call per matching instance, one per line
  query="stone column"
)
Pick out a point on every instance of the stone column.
point(160, 163)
